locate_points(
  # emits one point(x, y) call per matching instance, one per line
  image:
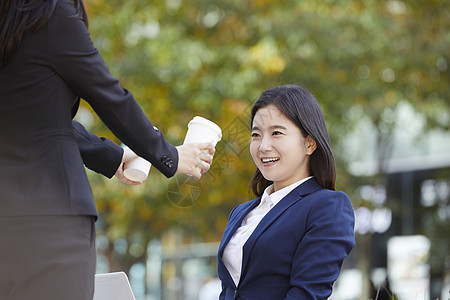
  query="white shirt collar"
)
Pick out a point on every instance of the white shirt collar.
point(275, 197)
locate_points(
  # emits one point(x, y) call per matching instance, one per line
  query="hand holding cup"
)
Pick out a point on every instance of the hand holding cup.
point(136, 169)
point(197, 151)
point(195, 159)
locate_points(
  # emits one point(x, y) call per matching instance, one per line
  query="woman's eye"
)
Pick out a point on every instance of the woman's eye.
point(254, 135)
point(277, 133)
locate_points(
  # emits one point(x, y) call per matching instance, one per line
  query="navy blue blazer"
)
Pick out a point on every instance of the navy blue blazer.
point(297, 249)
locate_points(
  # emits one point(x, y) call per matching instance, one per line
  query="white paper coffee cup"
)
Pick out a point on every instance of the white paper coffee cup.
point(137, 169)
point(201, 130)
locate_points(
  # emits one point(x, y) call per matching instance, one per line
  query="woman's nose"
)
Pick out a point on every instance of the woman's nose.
point(266, 144)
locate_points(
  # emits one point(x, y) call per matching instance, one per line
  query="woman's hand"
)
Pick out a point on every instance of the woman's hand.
point(128, 155)
point(195, 159)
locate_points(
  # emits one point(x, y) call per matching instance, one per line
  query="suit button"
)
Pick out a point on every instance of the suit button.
point(167, 161)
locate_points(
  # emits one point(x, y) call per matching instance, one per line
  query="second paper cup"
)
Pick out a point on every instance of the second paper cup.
point(137, 169)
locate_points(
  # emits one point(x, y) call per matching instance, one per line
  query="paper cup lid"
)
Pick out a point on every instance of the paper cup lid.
point(203, 121)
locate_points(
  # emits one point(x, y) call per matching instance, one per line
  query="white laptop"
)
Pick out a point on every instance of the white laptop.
point(112, 286)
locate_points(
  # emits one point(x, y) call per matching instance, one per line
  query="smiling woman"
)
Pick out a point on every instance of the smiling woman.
point(290, 242)
point(273, 138)
point(298, 107)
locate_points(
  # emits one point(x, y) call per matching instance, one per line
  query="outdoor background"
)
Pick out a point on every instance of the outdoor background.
point(380, 71)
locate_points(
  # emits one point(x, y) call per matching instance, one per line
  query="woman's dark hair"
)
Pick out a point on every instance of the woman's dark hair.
point(18, 16)
point(300, 106)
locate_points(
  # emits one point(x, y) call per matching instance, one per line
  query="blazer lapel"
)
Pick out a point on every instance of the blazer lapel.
point(234, 223)
point(290, 199)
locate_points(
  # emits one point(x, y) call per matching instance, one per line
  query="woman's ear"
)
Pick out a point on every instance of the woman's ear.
point(311, 145)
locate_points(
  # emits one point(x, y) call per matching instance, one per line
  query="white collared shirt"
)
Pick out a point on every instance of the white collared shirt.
point(232, 254)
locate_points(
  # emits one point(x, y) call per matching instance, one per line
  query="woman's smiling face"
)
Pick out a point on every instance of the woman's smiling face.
point(278, 148)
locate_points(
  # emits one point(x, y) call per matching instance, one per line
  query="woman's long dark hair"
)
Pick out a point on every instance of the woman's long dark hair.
point(300, 106)
point(18, 16)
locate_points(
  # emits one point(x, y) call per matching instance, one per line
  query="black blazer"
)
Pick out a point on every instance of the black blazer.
point(41, 169)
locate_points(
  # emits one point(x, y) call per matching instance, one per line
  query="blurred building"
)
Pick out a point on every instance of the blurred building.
point(403, 210)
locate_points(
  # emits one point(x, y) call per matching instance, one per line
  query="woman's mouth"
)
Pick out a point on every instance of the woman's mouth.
point(269, 160)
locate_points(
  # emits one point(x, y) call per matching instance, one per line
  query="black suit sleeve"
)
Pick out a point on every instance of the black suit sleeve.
point(98, 154)
point(74, 58)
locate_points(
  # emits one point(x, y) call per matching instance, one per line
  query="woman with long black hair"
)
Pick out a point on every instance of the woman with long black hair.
point(290, 242)
point(47, 212)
